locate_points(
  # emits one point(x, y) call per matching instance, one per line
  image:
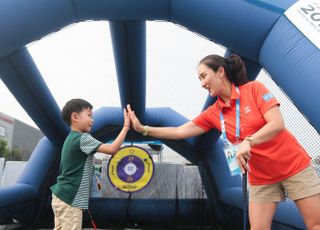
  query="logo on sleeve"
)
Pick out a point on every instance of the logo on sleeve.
point(267, 97)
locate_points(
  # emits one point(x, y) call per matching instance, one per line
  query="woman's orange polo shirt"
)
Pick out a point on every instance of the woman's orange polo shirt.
point(270, 162)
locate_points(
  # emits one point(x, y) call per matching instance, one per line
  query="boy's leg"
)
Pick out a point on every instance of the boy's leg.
point(66, 216)
point(56, 211)
point(76, 218)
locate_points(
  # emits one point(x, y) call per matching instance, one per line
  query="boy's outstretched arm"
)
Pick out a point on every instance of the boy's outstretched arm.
point(116, 144)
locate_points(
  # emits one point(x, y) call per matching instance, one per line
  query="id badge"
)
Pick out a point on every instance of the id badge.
point(230, 153)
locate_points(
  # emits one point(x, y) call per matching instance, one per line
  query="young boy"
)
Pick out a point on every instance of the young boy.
point(70, 195)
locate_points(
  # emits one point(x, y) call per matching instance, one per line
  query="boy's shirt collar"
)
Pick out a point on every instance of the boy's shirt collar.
point(75, 131)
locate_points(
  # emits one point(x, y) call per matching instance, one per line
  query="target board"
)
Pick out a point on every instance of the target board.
point(130, 169)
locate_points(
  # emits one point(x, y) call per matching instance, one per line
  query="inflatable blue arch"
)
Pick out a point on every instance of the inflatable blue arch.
point(257, 30)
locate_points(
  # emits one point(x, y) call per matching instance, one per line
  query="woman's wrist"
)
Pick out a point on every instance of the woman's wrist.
point(250, 140)
point(145, 130)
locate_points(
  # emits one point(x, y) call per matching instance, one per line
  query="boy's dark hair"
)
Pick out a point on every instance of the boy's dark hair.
point(74, 106)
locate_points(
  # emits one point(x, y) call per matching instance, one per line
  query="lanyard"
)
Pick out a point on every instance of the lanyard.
point(223, 128)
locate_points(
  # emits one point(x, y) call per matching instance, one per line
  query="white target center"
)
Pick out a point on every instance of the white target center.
point(130, 169)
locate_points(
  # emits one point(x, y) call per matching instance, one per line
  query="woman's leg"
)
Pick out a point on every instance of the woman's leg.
point(261, 214)
point(304, 189)
point(310, 210)
point(263, 201)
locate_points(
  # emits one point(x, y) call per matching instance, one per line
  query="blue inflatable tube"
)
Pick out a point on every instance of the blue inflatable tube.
point(258, 30)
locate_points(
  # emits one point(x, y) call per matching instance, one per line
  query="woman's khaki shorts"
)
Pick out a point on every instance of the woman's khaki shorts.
point(303, 184)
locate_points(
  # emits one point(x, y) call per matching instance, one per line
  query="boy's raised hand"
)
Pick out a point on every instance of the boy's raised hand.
point(135, 123)
point(126, 119)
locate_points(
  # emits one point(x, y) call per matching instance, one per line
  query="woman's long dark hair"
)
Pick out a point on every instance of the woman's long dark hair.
point(233, 65)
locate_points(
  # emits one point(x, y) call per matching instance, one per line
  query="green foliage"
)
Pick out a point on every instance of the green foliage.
point(13, 155)
point(3, 148)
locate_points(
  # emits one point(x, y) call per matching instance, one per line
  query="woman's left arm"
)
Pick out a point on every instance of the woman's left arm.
point(274, 125)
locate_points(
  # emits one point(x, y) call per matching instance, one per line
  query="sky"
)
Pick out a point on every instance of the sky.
point(77, 61)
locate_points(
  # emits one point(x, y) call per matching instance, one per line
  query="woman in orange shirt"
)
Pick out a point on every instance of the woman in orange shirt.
point(251, 123)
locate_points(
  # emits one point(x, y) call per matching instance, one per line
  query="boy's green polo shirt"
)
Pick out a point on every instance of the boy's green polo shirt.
point(73, 182)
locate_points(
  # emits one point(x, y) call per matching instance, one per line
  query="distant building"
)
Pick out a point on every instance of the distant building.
point(19, 135)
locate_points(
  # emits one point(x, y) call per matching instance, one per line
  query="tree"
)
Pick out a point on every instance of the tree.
point(13, 155)
point(3, 148)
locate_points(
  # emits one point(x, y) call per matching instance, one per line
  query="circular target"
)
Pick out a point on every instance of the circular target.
point(130, 169)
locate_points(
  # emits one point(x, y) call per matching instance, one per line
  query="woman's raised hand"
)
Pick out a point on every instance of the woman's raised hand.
point(135, 123)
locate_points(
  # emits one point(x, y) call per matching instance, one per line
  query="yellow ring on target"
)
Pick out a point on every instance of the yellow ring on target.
point(130, 152)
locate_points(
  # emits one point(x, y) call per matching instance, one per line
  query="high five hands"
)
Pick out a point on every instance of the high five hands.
point(134, 121)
